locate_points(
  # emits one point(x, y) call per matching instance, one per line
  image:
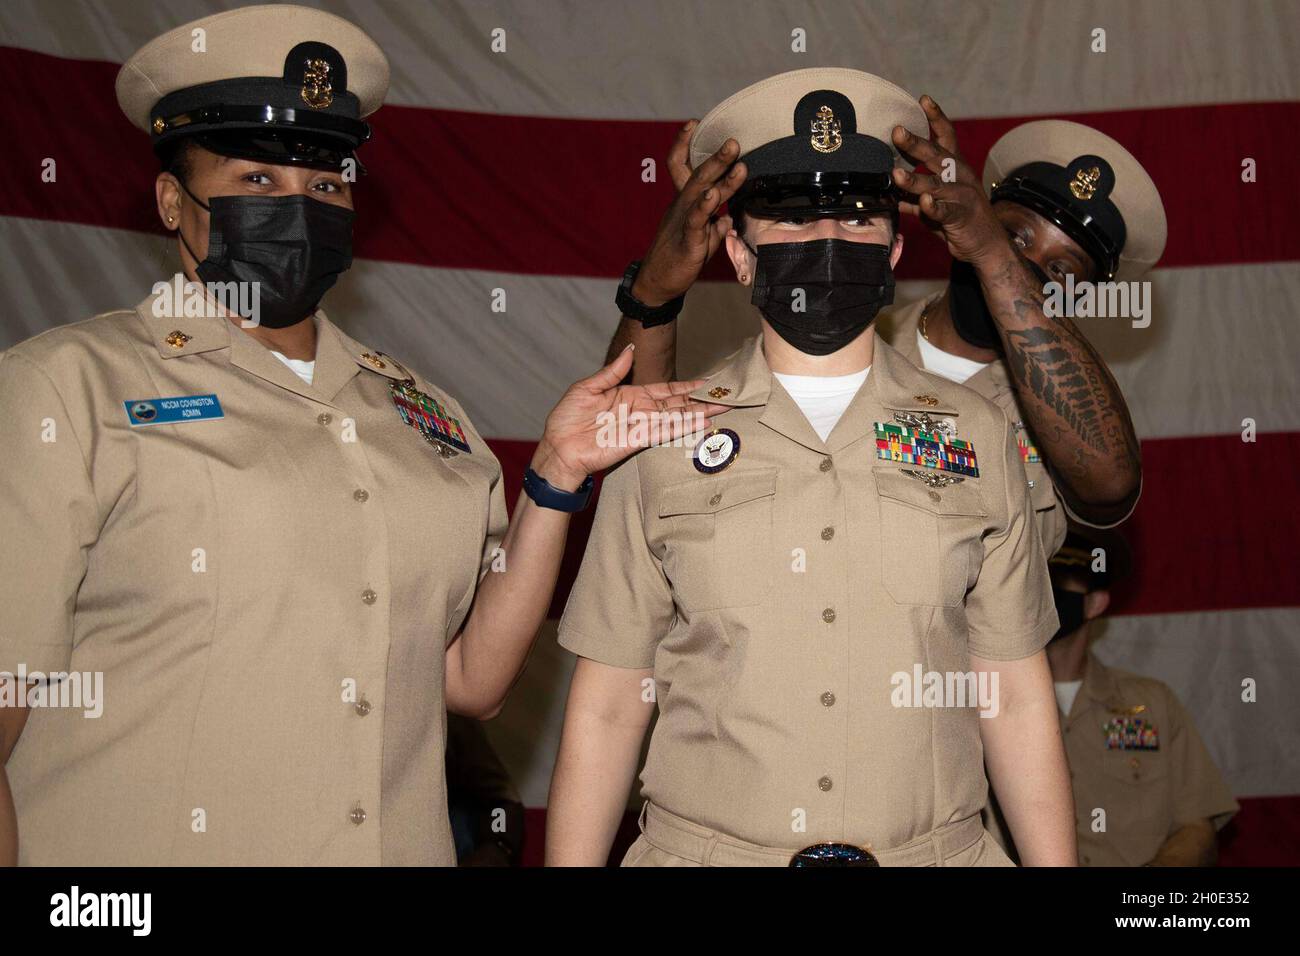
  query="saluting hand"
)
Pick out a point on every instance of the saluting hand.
point(585, 432)
point(690, 231)
point(958, 210)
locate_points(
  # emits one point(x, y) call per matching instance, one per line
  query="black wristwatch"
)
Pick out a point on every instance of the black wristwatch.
point(634, 308)
point(546, 495)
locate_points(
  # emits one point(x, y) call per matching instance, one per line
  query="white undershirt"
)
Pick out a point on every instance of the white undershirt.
point(304, 370)
point(952, 367)
point(823, 398)
point(1066, 691)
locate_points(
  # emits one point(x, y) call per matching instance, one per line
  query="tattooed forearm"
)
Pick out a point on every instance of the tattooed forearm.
point(1071, 401)
point(1043, 363)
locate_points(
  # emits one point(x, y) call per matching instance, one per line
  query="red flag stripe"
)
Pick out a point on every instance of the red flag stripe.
point(557, 196)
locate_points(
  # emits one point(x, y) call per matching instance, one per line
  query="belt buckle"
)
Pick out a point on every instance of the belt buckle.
point(834, 854)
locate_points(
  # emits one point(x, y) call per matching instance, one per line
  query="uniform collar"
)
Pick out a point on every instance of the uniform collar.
point(1099, 687)
point(175, 334)
point(372, 360)
point(905, 324)
point(991, 381)
point(903, 387)
point(743, 380)
point(894, 384)
point(1099, 682)
point(338, 357)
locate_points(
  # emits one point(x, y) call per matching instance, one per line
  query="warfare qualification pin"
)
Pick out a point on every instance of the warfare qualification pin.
point(716, 450)
point(933, 479)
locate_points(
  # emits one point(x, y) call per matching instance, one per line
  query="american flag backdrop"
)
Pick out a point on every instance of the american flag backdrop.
point(521, 169)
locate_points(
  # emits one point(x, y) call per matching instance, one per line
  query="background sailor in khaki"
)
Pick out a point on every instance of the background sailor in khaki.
point(1053, 384)
point(269, 561)
point(780, 581)
point(1146, 790)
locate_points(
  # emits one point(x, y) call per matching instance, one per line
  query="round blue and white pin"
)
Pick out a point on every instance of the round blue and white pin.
point(716, 450)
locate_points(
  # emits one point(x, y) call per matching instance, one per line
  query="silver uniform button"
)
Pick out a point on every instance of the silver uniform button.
point(828, 699)
point(828, 615)
point(827, 533)
point(357, 816)
point(363, 707)
point(825, 783)
point(369, 596)
point(826, 464)
point(324, 418)
point(361, 494)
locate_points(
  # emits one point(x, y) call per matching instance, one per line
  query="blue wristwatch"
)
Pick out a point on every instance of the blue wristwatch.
point(547, 495)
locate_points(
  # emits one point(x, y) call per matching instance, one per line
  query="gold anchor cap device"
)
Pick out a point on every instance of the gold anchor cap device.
point(281, 84)
point(816, 142)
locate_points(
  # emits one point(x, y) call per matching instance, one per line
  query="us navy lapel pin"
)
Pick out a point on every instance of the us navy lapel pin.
point(716, 451)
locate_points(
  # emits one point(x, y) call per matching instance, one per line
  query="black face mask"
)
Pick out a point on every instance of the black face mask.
point(293, 247)
point(1069, 608)
point(970, 313)
point(844, 285)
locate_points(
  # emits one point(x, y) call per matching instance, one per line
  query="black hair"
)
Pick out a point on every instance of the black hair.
point(177, 158)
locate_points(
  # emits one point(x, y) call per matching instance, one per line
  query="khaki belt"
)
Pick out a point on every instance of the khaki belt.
point(690, 841)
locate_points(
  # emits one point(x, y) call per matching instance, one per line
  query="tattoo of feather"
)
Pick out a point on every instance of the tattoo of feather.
point(1048, 365)
point(1059, 368)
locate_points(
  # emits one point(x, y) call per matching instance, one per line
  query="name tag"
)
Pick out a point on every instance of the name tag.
point(170, 411)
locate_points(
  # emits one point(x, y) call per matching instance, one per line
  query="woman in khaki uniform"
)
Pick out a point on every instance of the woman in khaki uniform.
point(838, 602)
point(280, 554)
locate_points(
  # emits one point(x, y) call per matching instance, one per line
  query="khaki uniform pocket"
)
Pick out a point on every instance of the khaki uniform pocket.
point(929, 537)
point(718, 549)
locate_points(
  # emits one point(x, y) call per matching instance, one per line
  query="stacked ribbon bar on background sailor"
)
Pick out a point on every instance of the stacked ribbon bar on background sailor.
point(427, 414)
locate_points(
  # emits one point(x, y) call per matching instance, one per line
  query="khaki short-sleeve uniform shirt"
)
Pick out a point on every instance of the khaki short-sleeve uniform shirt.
point(779, 601)
point(268, 596)
point(899, 328)
point(1135, 755)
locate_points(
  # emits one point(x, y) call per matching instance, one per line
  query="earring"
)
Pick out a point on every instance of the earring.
point(169, 219)
point(744, 277)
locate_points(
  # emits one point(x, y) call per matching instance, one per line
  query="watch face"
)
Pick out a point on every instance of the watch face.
point(717, 450)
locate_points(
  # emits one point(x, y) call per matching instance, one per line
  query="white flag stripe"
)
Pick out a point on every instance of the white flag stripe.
point(1221, 346)
point(672, 59)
